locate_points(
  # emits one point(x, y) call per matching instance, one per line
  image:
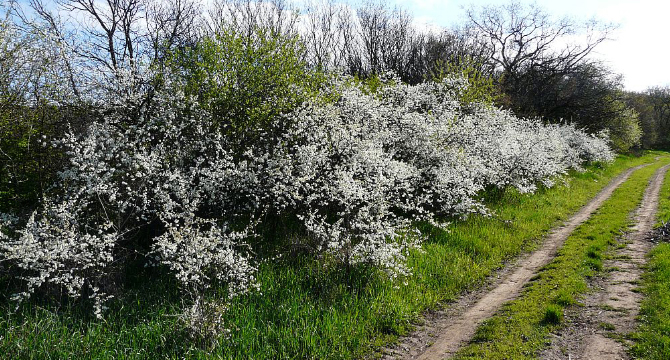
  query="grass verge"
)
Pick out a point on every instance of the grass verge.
point(308, 310)
point(521, 329)
point(652, 339)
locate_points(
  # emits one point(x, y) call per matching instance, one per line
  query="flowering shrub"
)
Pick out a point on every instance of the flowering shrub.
point(31, 90)
point(55, 250)
point(133, 170)
point(354, 173)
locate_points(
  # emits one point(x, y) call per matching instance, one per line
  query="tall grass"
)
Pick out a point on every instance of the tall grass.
point(307, 308)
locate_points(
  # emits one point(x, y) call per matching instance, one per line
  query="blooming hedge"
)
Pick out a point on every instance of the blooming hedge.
point(166, 181)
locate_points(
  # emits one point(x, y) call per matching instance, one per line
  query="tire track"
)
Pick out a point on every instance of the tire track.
point(609, 314)
point(449, 330)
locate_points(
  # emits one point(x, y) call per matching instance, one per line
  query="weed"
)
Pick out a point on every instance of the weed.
point(594, 264)
point(606, 326)
point(564, 298)
point(553, 315)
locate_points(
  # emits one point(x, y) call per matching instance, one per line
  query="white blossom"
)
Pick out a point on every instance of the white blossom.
point(354, 173)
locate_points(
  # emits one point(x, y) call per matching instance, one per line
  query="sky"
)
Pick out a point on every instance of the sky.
point(639, 49)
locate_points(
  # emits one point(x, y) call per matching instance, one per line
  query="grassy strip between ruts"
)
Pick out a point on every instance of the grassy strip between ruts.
point(522, 326)
point(307, 309)
point(652, 339)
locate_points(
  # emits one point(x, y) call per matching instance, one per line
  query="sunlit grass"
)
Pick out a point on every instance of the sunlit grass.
point(521, 328)
point(652, 339)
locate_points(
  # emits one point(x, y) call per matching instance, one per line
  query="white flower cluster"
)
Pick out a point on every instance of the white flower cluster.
point(58, 249)
point(354, 173)
point(359, 170)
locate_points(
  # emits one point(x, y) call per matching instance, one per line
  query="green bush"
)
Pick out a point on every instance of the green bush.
point(625, 130)
point(481, 88)
point(248, 81)
point(28, 159)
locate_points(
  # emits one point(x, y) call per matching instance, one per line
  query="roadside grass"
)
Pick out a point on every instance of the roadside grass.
point(306, 308)
point(652, 338)
point(522, 327)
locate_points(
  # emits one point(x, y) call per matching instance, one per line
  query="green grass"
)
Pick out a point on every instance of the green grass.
point(522, 327)
point(307, 310)
point(652, 339)
point(606, 326)
point(553, 314)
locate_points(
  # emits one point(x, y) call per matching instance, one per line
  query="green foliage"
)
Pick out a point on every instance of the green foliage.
point(553, 315)
point(649, 125)
point(564, 298)
point(32, 113)
point(624, 127)
point(481, 88)
point(248, 81)
point(653, 107)
point(371, 84)
point(28, 161)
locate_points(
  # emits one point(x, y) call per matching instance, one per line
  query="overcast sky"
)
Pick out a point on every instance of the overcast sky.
point(640, 48)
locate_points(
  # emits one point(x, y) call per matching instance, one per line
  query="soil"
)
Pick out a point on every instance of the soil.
point(443, 332)
point(599, 328)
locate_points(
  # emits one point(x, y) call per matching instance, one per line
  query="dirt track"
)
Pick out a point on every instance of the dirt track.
point(609, 313)
point(449, 330)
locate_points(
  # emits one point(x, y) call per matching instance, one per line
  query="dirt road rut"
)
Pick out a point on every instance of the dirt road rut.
point(599, 328)
point(450, 329)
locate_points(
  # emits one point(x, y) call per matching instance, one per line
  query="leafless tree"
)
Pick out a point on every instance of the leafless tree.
point(536, 55)
point(111, 28)
point(376, 38)
point(324, 29)
point(63, 41)
point(105, 38)
point(173, 23)
point(456, 48)
point(386, 36)
point(520, 37)
point(246, 17)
